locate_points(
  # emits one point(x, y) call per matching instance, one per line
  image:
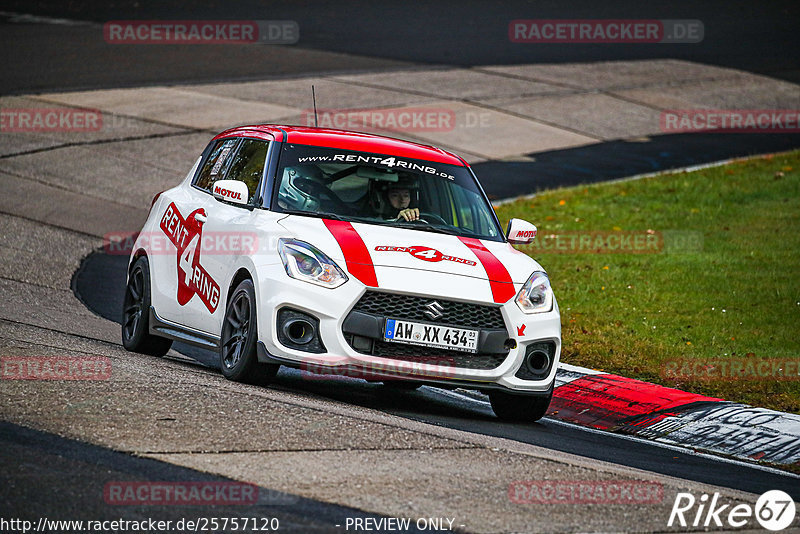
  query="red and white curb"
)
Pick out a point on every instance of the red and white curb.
point(622, 405)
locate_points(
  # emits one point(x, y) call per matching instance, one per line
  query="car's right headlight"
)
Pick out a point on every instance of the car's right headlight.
point(536, 296)
point(305, 262)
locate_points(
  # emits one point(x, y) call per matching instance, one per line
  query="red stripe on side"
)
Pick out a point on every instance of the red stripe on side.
point(609, 401)
point(356, 253)
point(499, 279)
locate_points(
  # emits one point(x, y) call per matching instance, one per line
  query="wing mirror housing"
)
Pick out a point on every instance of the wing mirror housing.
point(520, 232)
point(232, 191)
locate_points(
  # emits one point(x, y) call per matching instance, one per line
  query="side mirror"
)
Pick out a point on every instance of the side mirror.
point(232, 191)
point(520, 232)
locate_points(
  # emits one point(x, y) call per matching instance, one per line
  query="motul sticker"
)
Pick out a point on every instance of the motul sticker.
point(227, 193)
point(193, 279)
point(425, 254)
point(525, 234)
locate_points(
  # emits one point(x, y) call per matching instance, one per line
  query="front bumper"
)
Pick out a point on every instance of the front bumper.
point(495, 366)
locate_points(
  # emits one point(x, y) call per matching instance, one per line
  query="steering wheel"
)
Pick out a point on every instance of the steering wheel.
point(321, 192)
point(427, 217)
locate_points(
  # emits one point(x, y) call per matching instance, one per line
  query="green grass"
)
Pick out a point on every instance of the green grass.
point(732, 292)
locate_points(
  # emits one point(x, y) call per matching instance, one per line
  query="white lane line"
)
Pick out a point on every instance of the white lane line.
point(636, 439)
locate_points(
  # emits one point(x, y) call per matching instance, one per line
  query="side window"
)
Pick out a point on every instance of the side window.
point(248, 164)
point(214, 167)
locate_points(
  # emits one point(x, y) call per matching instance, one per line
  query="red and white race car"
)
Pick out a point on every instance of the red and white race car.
point(347, 253)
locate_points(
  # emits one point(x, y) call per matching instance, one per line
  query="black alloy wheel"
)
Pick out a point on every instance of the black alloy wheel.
point(136, 336)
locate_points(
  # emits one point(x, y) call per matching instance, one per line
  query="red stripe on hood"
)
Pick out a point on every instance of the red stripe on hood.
point(356, 253)
point(499, 279)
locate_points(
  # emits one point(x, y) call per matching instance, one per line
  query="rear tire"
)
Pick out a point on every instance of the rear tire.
point(519, 408)
point(136, 336)
point(237, 351)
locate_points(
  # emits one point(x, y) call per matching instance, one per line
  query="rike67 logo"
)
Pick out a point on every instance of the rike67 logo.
point(186, 235)
point(774, 510)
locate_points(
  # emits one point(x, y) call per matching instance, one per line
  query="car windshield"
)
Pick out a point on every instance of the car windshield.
point(375, 188)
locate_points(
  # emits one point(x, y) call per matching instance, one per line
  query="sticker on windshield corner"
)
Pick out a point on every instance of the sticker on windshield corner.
point(193, 279)
point(391, 162)
point(223, 155)
point(425, 254)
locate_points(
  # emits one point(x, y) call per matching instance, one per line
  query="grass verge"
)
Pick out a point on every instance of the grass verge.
point(715, 282)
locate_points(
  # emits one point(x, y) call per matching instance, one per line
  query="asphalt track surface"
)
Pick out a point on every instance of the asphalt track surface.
point(99, 284)
point(38, 486)
point(359, 36)
point(377, 36)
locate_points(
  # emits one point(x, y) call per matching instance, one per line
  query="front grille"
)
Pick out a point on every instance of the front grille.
point(459, 314)
point(431, 355)
point(413, 309)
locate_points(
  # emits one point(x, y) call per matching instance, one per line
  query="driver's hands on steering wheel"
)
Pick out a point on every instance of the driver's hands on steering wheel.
point(409, 214)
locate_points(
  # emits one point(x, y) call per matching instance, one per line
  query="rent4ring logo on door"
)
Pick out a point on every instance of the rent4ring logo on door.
point(424, 253)
point(186, 235)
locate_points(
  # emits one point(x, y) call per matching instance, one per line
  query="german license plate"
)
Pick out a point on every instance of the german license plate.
point(431, 335)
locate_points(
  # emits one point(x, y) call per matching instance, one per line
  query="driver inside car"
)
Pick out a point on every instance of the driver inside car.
point(394, 200)
point(400, 199)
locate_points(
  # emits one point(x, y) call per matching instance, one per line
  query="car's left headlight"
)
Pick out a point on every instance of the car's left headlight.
point(304, 262)
point(536, 296)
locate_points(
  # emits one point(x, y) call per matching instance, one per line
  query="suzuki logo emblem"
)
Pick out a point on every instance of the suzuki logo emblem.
point(434, 310)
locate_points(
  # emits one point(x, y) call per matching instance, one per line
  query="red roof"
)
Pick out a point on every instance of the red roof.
point(346, 140)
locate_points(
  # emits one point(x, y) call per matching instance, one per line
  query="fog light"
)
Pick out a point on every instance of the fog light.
point(298, 330)
point(538, 361)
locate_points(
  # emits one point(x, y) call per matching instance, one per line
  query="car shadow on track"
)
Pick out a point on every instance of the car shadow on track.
point(99, 284)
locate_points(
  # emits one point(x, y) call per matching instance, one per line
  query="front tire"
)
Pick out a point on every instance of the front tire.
point(237, 351)
point(519, 408)
point(136, 335)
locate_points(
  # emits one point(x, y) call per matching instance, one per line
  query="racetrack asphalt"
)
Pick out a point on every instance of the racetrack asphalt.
point(374, 36)
point(357, 447)
point(99, 284)
point(38, 487)
point(522, 127)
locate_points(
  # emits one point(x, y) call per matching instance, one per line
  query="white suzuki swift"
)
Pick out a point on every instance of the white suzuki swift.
point(341, 252)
